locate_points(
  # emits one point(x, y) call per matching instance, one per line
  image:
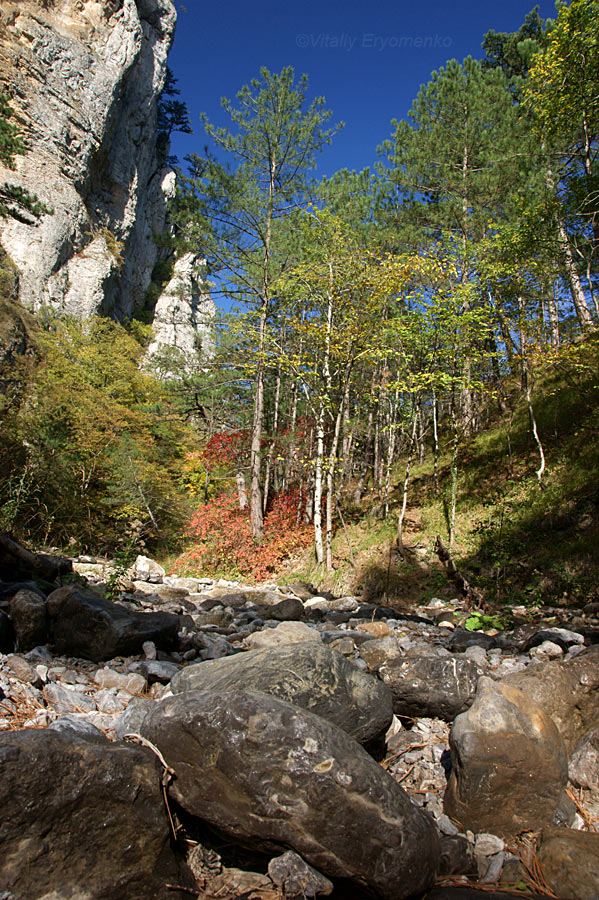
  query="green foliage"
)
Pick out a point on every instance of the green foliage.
point(171, 115)
point(478, 621)
point(92, 454)
point(15, 201)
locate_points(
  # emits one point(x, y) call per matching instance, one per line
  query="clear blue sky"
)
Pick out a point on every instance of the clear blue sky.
point(367, 58)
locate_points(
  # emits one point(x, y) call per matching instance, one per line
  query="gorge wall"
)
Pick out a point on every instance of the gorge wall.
point(85, 77)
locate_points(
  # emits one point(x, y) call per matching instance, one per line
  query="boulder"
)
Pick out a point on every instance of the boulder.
point(308, 675)
point(285, 633)
point(568, 691)
point(583, 765)
point(146, 569)
point(569, 861)
point(462, 639)
point(271, 775)
point(438, 687)
point(27, 611)
point(84, 624)
point(290, 609)
point(509, 764)
point(82, 817)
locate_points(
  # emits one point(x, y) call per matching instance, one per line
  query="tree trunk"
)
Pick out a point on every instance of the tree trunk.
point(271, 448)
point(242, 494)
point(256, 516)
point(404, 502)
point(317, 517)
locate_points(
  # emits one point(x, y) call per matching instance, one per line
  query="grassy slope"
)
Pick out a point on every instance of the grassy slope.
point(520, 544)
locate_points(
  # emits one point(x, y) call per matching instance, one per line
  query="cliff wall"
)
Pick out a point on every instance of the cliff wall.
point(84, 77)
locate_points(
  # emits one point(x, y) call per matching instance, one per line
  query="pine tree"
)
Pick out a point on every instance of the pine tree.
point(15, 202)
point(234, 207)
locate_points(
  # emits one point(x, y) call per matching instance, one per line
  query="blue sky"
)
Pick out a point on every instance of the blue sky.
point(367, 58)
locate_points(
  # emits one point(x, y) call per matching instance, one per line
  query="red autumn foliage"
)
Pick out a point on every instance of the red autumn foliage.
point(223, 542)
point(227, 448)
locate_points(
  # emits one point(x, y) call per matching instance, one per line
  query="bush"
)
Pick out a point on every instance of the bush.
point(224, 545)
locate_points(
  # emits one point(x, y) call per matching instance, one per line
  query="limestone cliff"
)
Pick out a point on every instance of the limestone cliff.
point(182, 318)
point(85, 76)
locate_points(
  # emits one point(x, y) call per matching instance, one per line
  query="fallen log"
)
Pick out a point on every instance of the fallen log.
point(472, 595)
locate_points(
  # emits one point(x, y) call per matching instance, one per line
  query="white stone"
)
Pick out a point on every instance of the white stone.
point(148, 570)
point(546, 651)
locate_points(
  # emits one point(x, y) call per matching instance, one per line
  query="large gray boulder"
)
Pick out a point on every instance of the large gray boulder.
point(509, 763)
point(87, 625)
point(308, 675)
point(271, 775)
point(567, 691)
point(82, 818)
point(438, 687)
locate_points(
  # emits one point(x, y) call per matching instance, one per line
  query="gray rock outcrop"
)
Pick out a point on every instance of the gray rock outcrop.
point(272, 775)
point(85, 78)
point(183, 316)
point(308, 675)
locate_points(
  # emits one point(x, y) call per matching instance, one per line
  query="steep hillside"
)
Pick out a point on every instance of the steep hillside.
point(517, 543)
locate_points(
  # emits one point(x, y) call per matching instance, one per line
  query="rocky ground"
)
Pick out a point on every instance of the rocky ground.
point(225, 740)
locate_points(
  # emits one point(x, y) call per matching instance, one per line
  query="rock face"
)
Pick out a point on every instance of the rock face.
point(309, 675)
point(270, 774)
point(86, 75)
point(86, 625)
point(438, 687)
point(183, 315)
point(82, 818)
point(505, 747)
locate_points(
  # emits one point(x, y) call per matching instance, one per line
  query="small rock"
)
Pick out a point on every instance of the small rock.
point(478, 655)
point(462, 639)
point(132, 682)
point(546, 651)
point(345, 646)
point(23, 671)
point(65, 701)
point(488, 844)
point(149, 649)
point(296, 878)
point(156, 670)
point(376, 629)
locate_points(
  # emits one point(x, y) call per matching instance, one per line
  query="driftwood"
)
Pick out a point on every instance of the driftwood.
point(472, 595)
point(50, 568)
